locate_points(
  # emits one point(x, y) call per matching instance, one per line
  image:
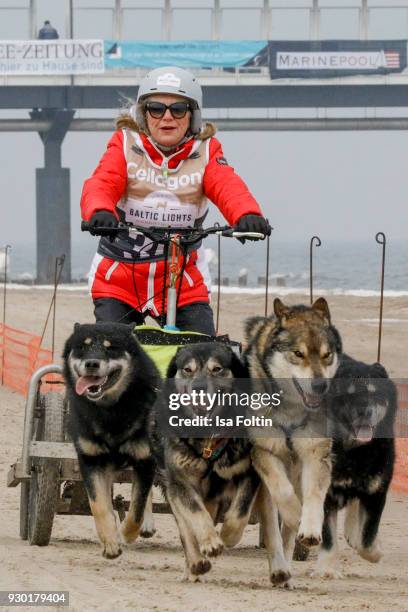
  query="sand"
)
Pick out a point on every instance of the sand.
point(147, 575)
point(355, 317)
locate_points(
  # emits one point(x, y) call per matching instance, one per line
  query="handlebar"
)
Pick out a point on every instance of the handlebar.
point(187, 236)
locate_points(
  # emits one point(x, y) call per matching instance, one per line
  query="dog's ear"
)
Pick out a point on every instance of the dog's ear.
point(378, 371)
point(172, 367)
point(76, 327)
point(133, 335)
point(337, 339)
point(238, 369)
point(322, 308)
point(252, 326)
point(281, 311)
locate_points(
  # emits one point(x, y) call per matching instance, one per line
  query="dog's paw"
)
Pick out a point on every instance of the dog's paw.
point(200, 567)
point(280, 578)
point(111, 550)
point(327, 572)
point(147, 533)
point(148, 528)
point(212, 546)
point(289, 585)
point(309, 540)
point(195, 572)
point(372, 554)
point(130, 531)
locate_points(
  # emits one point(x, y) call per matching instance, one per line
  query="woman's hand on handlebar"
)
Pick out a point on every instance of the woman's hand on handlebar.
point(253, 224)
point(103, 223)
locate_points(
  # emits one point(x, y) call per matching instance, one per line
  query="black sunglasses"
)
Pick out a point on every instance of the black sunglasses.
point(157, 110)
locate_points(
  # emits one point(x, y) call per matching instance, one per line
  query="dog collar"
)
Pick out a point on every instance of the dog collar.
point(214, 448)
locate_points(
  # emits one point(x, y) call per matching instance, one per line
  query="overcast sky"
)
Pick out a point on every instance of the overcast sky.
point(340, 185)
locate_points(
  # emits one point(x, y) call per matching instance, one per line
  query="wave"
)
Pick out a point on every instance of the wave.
point(306, 291)
point(230, 290)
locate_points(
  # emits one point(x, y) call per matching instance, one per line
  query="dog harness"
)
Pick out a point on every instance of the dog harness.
point(213, 450)
point(288, 431)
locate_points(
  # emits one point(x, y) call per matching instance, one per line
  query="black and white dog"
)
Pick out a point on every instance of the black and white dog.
point(210, 478)
point(111, 387)
point(362, 404)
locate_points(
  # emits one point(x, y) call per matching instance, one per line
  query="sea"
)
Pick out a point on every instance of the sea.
point(352, 268)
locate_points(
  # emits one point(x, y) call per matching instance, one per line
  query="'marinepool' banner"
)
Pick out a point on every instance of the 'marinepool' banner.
point(186, 54)
point(332, 58)
point(43, 57)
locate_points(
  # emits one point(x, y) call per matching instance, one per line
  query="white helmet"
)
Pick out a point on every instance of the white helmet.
point(170, 80)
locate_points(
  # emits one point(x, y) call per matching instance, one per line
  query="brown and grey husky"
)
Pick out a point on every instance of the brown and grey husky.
point(296, 352)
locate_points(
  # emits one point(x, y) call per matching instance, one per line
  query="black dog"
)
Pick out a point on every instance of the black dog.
point(361, 409)
point(204, 479)
point(111, 387)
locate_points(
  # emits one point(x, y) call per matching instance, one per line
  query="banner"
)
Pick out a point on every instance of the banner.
point(333, 58)
point(286, 59)
point(51, 57)
point(185, 54)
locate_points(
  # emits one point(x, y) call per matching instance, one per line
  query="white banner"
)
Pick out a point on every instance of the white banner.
point(336, 60)
point(42, 57)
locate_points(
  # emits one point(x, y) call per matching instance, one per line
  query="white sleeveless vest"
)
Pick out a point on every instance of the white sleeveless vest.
point(157, 197)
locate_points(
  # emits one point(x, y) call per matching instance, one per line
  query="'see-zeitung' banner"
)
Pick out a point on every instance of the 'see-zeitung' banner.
point(51, 57)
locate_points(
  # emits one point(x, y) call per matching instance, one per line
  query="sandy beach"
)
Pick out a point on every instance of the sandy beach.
point(355, 317)
point(147, 575)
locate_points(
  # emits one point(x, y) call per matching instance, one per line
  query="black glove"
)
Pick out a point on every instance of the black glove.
point(103, 223)
point(253, 223)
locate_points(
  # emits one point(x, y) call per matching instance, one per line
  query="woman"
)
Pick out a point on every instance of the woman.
point(160, 167)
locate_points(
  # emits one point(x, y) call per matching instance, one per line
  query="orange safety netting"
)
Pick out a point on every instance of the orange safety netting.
point(20, 356)
point(400, 480)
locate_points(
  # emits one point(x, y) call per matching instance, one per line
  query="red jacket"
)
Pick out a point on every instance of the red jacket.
point(111, 276)
point(221, 184)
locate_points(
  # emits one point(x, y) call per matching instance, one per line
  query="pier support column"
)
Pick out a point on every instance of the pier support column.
point(53, 201)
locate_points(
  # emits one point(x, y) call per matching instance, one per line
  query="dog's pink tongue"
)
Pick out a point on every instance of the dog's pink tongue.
point(365, 433)
point(84, 382)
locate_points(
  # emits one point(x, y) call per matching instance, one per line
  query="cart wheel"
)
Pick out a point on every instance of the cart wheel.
point(24, 498)
point(45, 484)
